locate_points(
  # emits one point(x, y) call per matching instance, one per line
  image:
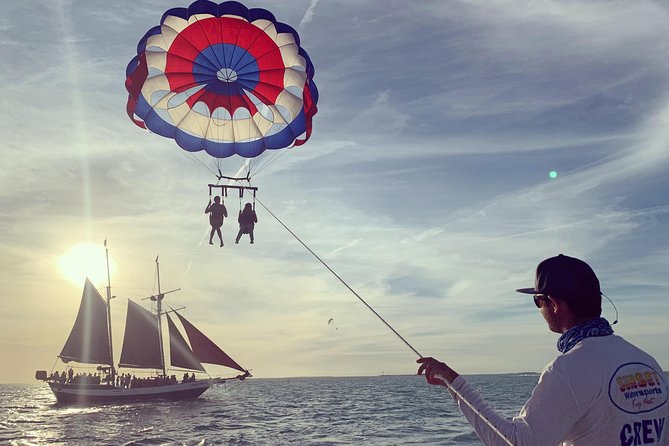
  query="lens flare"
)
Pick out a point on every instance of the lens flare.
point(552, 174)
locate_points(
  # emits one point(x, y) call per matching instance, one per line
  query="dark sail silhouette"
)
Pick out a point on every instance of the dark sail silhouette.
point(141, 342)
point(88, 342)
point(204, 349)
point(180, 354)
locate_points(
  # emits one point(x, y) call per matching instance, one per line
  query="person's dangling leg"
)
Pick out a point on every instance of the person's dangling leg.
point(251, 233)
point(211, 235)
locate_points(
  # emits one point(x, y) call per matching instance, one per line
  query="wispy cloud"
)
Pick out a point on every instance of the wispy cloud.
point(308, 14)
point(425, 184)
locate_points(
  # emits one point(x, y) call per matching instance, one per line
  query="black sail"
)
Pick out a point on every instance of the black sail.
point(141, 341)
point(180, 354)
point(89, 339)
point(204, 349)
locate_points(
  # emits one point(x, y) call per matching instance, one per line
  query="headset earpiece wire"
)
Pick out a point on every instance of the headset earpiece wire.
point(614, 307)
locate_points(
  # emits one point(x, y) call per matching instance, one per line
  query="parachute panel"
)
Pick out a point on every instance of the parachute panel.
point(223, 79)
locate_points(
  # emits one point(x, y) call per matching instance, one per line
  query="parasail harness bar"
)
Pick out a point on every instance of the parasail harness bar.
point(220, 176)
point(224, 189)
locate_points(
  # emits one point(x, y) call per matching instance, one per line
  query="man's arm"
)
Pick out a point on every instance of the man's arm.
point(544, 419)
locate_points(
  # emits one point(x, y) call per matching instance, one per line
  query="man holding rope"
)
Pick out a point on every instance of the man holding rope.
point(600, 391)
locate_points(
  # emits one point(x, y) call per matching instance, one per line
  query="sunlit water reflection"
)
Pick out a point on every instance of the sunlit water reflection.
point(384, 410)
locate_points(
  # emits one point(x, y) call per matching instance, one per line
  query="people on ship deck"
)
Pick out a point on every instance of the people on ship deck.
point(188, 378)
point(81, 378)
point(600, 391)
point(124, 380)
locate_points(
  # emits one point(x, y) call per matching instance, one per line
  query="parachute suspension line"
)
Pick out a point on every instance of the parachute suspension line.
point(271, 160)
point(247, 166)
point(219, 163)
point(448, 386)
point(341, 280)
point(255, 161)
point(192, 156)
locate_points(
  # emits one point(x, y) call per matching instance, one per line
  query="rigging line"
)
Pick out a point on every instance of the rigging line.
point(272, 159)
point(340, 279)
point(54, 365)
point(269, 158)
point(448, 385)
point(193, 157)
point(252, 163)
point(248, 163)
point(206, 167)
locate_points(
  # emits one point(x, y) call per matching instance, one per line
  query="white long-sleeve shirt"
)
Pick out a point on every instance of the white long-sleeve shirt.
point(603, 392)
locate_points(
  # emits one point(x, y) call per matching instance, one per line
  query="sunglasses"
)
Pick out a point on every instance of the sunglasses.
point(539, 299)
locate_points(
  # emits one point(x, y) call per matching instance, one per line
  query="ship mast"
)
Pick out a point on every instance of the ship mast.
point(109, 326)
point(159, 300)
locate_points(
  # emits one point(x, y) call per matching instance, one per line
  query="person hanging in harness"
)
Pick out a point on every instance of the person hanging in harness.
point(247, 219)
point(217, 212)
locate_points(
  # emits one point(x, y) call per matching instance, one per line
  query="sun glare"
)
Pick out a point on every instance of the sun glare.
point(85, 260)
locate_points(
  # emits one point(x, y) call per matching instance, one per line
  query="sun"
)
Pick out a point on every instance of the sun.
point(85, 260)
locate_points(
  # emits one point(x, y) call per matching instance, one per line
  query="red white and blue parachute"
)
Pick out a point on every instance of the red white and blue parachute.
point(223, 79)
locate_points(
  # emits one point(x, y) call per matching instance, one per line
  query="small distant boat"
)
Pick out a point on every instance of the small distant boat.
point(90, 342)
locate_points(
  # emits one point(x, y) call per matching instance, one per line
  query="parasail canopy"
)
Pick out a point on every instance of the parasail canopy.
point(223, 79)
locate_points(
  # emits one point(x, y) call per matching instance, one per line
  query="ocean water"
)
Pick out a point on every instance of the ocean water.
point(381, 410)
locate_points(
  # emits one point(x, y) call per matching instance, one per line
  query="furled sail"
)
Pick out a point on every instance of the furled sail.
point(141, 341)
point(180, 354)
point(89, 339)
point(204, 349)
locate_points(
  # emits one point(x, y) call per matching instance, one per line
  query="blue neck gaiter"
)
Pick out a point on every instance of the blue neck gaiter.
point(594, 327)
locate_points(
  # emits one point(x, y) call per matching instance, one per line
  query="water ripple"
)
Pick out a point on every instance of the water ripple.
point(386, 410)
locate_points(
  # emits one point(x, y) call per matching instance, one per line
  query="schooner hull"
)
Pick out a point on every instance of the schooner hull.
point(92, 394)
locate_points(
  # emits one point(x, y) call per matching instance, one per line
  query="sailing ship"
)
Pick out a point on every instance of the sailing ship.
point(90, 342)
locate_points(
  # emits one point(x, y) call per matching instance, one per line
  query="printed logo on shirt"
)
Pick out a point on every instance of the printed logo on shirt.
point(637, 388)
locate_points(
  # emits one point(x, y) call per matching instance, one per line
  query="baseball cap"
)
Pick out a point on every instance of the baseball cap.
point(565, 277)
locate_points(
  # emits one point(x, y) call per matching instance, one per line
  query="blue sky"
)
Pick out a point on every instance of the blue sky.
point(425, 184)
